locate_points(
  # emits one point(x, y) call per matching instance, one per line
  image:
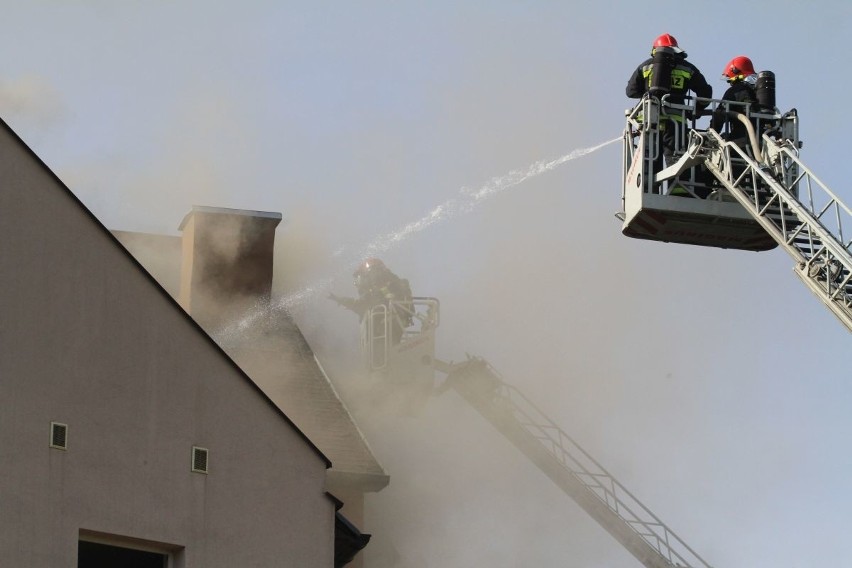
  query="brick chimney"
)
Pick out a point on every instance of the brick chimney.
point(227, 263)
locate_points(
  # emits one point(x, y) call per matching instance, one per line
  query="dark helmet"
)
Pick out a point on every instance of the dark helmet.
point(368, 265)
point(738, 68)
point(365, 269)
point(666, 40)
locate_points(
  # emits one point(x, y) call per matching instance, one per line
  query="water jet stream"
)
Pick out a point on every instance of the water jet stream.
point(467, 201)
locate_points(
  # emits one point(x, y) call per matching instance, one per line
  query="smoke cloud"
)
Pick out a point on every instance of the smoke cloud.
point(32, 103)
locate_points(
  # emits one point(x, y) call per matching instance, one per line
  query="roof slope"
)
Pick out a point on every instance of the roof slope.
point(277, 356)
point(274, 353)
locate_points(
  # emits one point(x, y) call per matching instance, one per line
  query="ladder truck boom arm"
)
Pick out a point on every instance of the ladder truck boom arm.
point(568, 465)
point(797, 209)
point(763, 186)
point(794, 207)
point(409, 367)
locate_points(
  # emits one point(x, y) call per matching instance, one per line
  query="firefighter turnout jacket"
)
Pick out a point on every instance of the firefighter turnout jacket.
point(685, 77)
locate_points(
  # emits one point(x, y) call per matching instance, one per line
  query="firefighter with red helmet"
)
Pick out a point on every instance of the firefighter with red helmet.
point(378, 285)
point(667, 72)
point(742, 78)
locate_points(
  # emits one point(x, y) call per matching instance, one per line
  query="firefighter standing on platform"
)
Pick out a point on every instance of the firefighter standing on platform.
point(376, 286)
point(742, 78)
point(667, 72)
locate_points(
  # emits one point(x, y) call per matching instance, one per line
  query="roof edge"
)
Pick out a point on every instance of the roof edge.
point(274, 216)
point(366, 482)
point(163, 291)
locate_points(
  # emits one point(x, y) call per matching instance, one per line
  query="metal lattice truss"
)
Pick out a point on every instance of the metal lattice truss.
point(799, 211)
point(572, 468)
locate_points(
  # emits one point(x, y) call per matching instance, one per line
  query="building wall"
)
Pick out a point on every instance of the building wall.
point(160, 255)
point(269, 347)
point(88, 339)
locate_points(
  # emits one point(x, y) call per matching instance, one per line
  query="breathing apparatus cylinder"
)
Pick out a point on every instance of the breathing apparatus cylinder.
point(661, 76)
point(765, 91)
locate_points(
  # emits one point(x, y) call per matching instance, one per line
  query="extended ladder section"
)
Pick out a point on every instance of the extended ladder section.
point(751, 193)
point(799, 211)
point(569, 466)
point(792, 205)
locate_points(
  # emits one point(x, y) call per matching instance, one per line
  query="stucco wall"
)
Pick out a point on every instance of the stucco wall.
point(88, 339)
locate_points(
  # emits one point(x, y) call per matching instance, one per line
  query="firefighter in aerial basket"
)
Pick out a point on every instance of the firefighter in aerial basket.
point(748, 87)
point(377, 285)
point(668, 73)
point(750, 90)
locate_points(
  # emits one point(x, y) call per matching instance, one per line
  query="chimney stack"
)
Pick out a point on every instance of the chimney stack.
point(227, 263)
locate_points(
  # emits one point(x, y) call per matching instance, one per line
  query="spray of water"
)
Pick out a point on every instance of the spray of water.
point(467, 201)
point(470, 200)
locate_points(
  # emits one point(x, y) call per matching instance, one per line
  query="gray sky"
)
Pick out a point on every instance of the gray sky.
point(710, 382)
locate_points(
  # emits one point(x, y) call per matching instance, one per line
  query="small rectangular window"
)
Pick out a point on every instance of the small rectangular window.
point(59, 436)
point(199, 459)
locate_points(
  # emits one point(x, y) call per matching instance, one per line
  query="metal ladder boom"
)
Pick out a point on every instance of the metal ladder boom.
point(570, 467)
point(799, 211)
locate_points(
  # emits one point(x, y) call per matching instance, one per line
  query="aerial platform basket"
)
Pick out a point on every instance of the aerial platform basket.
point(681, 203)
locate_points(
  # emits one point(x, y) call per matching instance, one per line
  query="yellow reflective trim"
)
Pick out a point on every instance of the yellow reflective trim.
point(680, 78)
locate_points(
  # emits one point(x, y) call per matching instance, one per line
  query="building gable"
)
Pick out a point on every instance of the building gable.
point(90, 341)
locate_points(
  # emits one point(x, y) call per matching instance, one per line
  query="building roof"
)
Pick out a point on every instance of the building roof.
point(275, 354)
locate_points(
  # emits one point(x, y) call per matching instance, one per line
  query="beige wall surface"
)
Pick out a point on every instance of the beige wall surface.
point(89, 340)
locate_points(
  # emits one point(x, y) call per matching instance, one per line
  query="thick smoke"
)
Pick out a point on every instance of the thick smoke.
point(466, 203)
point(681, 369)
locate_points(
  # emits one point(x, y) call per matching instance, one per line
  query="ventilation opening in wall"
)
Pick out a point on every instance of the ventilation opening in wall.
point(59, 436)
point(199, 459)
